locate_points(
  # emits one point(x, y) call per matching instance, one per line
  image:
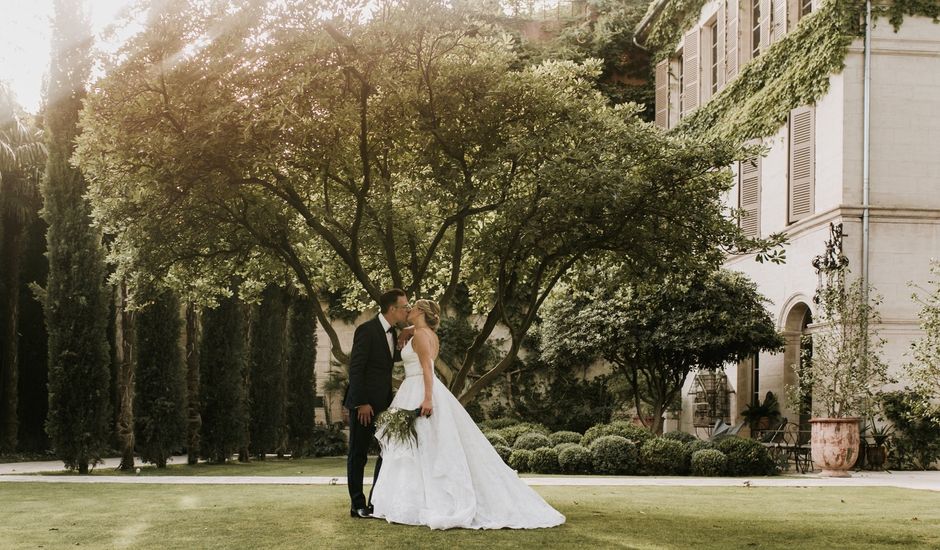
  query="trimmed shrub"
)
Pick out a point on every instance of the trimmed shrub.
point(496, 439)
point(564, 437)
point(328, 441)
point(532, 441)
point(698, 445)
point(681, 437)
point(497, 423)
point(520, 460)
point(709, 462)
point(614, 455)
point(513, 432)
point(544, 461)
point(747, 457)
point(664, 457)
point(562, 446)
point(637, 434)
point(504, 452)
point(574, 459)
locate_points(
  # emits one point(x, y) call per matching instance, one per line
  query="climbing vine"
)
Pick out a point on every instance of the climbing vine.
point(665, 32)
point(898, 9)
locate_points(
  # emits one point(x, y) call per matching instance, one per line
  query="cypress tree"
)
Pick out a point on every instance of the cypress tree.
point(76, 300)
point(222, 368)
point(159, 404)
point(301, 375)
point(268, 376)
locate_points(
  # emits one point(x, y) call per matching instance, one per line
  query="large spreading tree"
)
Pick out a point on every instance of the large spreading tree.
point(658, 332)
point(411, 147)
point(76, 298)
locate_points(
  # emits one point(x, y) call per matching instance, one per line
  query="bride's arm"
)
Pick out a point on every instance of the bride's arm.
point(422, 346)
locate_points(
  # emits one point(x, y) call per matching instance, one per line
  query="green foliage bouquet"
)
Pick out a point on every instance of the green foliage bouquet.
point(397, 426)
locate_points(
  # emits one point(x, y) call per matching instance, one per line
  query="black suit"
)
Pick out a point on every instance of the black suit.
point(370, 383)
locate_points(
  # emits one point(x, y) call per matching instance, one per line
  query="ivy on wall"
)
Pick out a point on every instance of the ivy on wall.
point(898, 9)
point(676, 17)
point(792, 72)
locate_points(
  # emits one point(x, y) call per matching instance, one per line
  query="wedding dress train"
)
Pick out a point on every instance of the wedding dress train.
point(453, 477)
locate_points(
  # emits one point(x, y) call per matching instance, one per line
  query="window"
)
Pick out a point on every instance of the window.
point(713, 33)
point(806, 7)
point(755, 28)
point(755, 380)
point(802, 163)
point(749, 196)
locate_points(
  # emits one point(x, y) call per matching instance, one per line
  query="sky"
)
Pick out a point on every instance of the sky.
point(25, 40)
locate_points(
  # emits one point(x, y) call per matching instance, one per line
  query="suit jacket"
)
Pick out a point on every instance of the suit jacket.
point(370, 368)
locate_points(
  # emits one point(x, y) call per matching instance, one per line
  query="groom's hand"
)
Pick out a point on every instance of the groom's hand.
point(365, 413)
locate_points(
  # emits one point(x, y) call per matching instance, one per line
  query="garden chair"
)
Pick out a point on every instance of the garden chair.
point(798, 450)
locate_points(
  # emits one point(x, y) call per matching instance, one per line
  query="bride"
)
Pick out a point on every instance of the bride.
point(453, 477)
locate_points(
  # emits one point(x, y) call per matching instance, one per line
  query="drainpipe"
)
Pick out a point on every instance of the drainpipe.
point(866, 146)
point(866, 164)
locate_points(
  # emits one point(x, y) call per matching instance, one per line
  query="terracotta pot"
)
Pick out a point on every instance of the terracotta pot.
point(835, 444)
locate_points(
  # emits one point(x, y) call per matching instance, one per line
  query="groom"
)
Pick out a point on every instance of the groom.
point(374, 351)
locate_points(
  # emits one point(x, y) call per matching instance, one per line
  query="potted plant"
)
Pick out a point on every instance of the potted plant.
point(841, 366)
point(761, 415)
point(876, 454)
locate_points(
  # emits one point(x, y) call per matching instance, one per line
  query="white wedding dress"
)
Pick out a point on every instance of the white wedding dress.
point(453, 477)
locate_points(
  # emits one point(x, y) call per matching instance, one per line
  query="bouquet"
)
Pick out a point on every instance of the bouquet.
point(398, 425)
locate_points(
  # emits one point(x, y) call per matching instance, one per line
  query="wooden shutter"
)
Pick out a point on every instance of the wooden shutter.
point(749, 196)
point(690, 71)
point(662, 93)
point(722, 21)
point(802, 162)
point(779, 22)
point(732, 39)
point(766, 9)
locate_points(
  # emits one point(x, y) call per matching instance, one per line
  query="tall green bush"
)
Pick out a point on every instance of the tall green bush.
point(159, 419)
point(301, 376)
point(222, 369)
point(75, 297)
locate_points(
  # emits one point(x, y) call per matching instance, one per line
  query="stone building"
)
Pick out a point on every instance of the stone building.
point(846, 145)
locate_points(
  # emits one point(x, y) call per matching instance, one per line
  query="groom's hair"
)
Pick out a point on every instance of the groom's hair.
point(390, 298)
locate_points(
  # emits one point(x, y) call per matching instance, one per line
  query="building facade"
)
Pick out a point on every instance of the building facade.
point(812, 175)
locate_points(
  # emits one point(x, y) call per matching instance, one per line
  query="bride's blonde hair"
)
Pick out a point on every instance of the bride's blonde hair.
point(432, 312)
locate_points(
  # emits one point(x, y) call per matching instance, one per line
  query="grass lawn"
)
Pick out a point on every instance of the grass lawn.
point(55, 515)
point(331, 466)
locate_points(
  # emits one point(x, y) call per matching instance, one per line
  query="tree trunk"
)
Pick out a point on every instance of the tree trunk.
point(124, 358)
point(193, 417)
point(9, 363)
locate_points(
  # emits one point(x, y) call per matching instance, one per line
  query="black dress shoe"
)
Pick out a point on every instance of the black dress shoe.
point(363, 513)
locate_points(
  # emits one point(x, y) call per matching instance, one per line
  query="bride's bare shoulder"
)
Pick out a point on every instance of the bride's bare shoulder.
point(426, 338)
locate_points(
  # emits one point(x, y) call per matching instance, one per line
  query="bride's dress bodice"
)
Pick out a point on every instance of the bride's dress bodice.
point(410, 359)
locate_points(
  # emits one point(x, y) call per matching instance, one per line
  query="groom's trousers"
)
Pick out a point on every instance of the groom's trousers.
point(360, 439)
